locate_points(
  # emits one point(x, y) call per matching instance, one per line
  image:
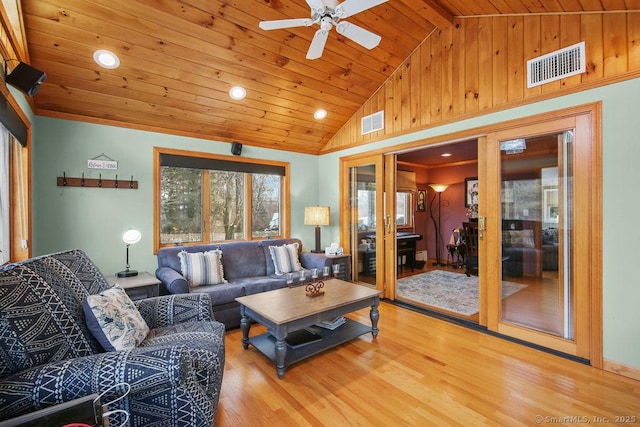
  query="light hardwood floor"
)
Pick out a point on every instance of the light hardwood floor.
point(420, 371)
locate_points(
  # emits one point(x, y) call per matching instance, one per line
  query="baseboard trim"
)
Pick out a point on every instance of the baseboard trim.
point(621, 369)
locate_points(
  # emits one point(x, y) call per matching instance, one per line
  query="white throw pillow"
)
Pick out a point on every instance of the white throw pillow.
point(114, 320)
point(285, 258)
point(202, 268)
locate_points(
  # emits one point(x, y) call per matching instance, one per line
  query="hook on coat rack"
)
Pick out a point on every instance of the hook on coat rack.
point(65, 181)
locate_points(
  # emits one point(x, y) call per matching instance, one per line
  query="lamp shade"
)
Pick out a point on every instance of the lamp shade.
point(131, 237)
point(317, 215)
point(438, 188)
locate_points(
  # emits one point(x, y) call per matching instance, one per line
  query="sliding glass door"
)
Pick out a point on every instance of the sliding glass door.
point(544, 285)
point(537, 255)
point(362, 223)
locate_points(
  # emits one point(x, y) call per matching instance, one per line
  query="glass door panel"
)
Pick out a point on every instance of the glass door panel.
point(362, 240)
point(364, 219)
point(536, 202)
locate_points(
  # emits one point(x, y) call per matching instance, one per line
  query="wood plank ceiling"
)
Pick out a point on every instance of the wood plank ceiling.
point(180, 58)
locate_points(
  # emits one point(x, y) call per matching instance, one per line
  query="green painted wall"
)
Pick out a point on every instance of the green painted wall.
point(94, 219)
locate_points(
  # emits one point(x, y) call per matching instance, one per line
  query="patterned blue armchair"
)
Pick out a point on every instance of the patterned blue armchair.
point(49, 356)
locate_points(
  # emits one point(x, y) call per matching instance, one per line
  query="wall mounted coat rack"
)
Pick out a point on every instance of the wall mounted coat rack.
point(67, 181)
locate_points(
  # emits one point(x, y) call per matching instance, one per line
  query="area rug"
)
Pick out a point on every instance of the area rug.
point(447, 290)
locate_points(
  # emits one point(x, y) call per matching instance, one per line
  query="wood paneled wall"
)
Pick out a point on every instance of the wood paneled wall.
point(478, 65)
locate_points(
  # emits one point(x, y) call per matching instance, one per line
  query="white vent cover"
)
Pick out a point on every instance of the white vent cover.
point(562, 63)
point(373, 122)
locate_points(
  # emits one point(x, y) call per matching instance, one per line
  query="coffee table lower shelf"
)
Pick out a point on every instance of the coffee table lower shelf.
point(351, 329)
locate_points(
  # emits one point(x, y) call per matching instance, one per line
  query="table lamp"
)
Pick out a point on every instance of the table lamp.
point(129, 237)
point(317, 215)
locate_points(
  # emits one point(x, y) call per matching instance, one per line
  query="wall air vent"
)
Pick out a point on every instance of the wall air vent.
point(373, 122)
point(557, 65)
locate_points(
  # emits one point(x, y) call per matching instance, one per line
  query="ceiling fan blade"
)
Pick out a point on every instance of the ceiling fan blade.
point(317, 44)
point(316, 6)
point(358, 34)
point(285, 23)
point(350, 7)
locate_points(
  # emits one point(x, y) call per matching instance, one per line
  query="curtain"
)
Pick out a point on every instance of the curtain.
point(406, 181)
point(19, 185)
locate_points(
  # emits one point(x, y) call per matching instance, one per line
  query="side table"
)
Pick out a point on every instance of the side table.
point(144, 285)
point(456, 255)
point(345, 265)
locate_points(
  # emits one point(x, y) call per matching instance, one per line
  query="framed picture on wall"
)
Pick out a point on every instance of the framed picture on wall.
point(550, 204)
point(421, 201)
point(470, 191)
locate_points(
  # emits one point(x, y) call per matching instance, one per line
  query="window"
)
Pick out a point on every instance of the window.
point(366, 209)
point(404, 209)
point(205, 198)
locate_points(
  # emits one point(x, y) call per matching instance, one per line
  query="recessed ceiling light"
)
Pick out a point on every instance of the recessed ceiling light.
point(237, 93)
point(446, 155)
point(320, 114)
point(106, 59)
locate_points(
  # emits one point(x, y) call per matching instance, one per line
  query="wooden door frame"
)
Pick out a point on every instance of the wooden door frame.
point(345, 209)
point(587, 244)
point(590, 115)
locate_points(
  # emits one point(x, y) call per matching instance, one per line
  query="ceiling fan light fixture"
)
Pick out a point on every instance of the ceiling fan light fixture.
point(320, 114)
point(106, 59)
point(328, 14)
point(237, 93)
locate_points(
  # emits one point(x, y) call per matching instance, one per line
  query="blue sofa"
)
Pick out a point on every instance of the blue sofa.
point(248, 268)
point(49, 356)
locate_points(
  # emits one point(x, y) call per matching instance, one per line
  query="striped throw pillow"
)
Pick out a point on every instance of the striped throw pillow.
point(285, 258)
point(202, 268)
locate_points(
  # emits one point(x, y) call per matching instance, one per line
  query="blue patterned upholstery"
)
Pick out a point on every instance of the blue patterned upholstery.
point(48, 356)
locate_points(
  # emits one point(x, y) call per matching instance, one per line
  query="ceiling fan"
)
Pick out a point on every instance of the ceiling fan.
point(328, 14)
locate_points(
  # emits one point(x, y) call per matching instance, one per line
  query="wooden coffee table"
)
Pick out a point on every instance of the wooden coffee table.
point(291, 317)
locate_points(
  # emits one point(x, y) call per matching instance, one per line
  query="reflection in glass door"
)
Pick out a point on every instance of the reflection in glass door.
point(537, 206)
point(363, 236)
point(364, 223)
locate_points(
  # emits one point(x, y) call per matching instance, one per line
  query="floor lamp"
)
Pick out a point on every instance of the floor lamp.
point(439, 189)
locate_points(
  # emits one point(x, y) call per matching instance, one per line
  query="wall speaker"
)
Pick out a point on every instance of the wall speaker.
point(26, 78)
point(236, 148)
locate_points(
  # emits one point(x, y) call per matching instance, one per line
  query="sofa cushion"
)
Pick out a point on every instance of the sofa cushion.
point(202, 268)
point(222, 293)
point(168, 257)
point(518, 238)
point(254, 285)
point(285, 258)
point(264, 245)
point(243, 259)
point(114, 320)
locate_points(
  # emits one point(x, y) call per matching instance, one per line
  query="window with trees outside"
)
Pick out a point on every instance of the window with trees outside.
point(204, 198)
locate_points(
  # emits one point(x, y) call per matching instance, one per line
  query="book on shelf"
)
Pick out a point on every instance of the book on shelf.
point(332, 324)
